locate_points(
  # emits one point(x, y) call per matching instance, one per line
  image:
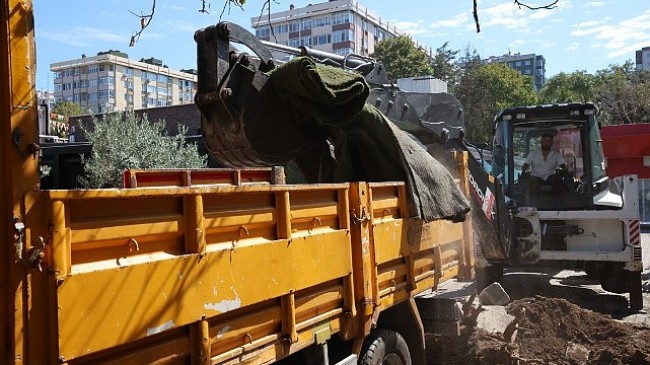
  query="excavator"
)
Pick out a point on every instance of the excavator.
point(588, 220)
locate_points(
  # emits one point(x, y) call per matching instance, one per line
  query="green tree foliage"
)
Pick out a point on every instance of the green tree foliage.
point(68, 108)
point(486, 89)
point(623, 94)
point(578, 86)
point(124, 140)
point(444, 65)
point(402, 58)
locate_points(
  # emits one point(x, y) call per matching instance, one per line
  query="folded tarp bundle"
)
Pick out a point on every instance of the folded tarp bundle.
point(367, 146)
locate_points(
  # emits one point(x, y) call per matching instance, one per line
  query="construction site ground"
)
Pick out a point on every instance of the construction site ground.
point(563, 317)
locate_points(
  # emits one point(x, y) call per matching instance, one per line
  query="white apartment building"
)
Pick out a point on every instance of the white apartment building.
point(337, 26)
point(111, 81)
point(643, 59)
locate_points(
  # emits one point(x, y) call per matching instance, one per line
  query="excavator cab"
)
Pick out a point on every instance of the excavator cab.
point(581, 183)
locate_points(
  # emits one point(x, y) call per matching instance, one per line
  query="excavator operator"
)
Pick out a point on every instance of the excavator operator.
point(545, 167)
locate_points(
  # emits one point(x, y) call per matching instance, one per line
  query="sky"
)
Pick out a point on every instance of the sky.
point(575, 35)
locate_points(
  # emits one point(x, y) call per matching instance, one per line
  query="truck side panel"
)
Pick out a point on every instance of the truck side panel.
point(128, 275)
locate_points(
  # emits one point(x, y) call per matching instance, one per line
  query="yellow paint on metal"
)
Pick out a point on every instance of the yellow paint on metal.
point(171, 293)
point(288, 307)
point(18, 176)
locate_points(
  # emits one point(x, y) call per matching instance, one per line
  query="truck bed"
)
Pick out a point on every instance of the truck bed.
point(214, 274)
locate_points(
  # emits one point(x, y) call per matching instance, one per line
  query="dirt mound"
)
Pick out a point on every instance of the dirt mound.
point(550, 331)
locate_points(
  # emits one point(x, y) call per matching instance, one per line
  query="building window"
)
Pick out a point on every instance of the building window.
point(294, 42)
point(162, 102)
point(151, 89)
point(93, 82)
point(342, 35)
point(163, 78)
point(321, 39)
point(527, 62)
point(322, 21)
point(128, 84)
point(305, 41)
point(93, 69)
point(162, 91)
point(128, 98)
point(343, 51)
point(279, 29)
point(518, 63)
point(80, 84)
point(305, 24)
point(341, 17)
point(58, 87)
point(108, 80)
point(262, 32)
point(294, 27)
point(92, 96)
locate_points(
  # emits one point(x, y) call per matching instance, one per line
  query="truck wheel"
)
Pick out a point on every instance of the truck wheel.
point(488, 275)
point(385, 347)
point(636, 288)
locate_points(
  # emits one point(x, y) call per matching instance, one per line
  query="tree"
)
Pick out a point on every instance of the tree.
point(68, 108)
point(124, 141)
point(578, 86)
point(486, 89)
point(444, 65)
point(402, 58)
point(623, 94)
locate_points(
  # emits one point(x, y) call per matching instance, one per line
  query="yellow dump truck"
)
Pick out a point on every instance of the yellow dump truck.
point(236, 271)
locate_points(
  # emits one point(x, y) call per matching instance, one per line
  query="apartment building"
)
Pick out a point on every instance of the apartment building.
point(337, 26)
point(528, 64)
point(643, 59)
point(111, 81)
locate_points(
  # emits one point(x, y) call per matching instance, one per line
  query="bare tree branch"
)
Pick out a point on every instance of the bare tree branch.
point(203, 8)
point(547, 6)
point(478, 26)
point(228, 3)
point(520, 4)
point(267, 5)
point(145, 19)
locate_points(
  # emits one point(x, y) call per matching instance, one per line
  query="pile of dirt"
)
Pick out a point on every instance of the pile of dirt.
point(550, 331)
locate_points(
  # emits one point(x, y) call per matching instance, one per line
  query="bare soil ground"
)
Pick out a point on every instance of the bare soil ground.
point(551, 330)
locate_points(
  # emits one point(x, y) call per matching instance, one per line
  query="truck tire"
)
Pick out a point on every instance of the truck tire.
point(385, 347)
point(488, 275)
